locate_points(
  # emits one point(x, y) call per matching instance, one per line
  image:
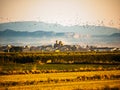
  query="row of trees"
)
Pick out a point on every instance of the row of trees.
point(60, 58)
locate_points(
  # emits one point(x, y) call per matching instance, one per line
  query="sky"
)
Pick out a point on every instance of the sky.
point(64, 12)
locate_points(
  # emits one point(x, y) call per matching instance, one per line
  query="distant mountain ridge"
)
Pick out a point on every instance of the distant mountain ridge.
point(32, 26)
point(115, 35)
point(13, 33)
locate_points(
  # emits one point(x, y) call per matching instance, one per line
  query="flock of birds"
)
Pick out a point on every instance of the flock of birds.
point(78, 22)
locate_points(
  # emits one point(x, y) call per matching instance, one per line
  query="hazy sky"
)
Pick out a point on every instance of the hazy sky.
point(65, 12)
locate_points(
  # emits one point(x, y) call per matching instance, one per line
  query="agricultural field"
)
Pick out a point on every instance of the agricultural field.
point(60, 71)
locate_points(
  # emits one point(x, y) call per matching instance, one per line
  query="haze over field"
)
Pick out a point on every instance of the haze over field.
point(84, 22)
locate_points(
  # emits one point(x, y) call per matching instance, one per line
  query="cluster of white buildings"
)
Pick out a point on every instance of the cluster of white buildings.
point(57, 47)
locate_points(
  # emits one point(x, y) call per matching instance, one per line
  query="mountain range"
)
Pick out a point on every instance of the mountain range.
point(32, 26)
point(12, 33)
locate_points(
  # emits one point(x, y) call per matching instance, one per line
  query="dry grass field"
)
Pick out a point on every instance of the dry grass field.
point(45, 76)
point(62, 81)
point(85, 85)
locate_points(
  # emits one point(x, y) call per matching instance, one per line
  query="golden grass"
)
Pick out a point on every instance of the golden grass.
point(85, 85)
point(45, 76)
point(60, 81)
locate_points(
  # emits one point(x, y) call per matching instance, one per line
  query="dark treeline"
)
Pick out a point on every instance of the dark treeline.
point(62, 57)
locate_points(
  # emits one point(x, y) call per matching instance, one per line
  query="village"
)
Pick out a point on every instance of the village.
point(57, 47)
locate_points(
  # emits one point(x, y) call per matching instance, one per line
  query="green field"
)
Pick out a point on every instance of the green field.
point(58, 67)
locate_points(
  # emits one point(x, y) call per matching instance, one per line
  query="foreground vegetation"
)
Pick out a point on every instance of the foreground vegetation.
point(60, 71)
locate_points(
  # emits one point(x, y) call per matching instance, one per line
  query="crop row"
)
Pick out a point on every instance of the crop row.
point(15, 72)
point(49, 80)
